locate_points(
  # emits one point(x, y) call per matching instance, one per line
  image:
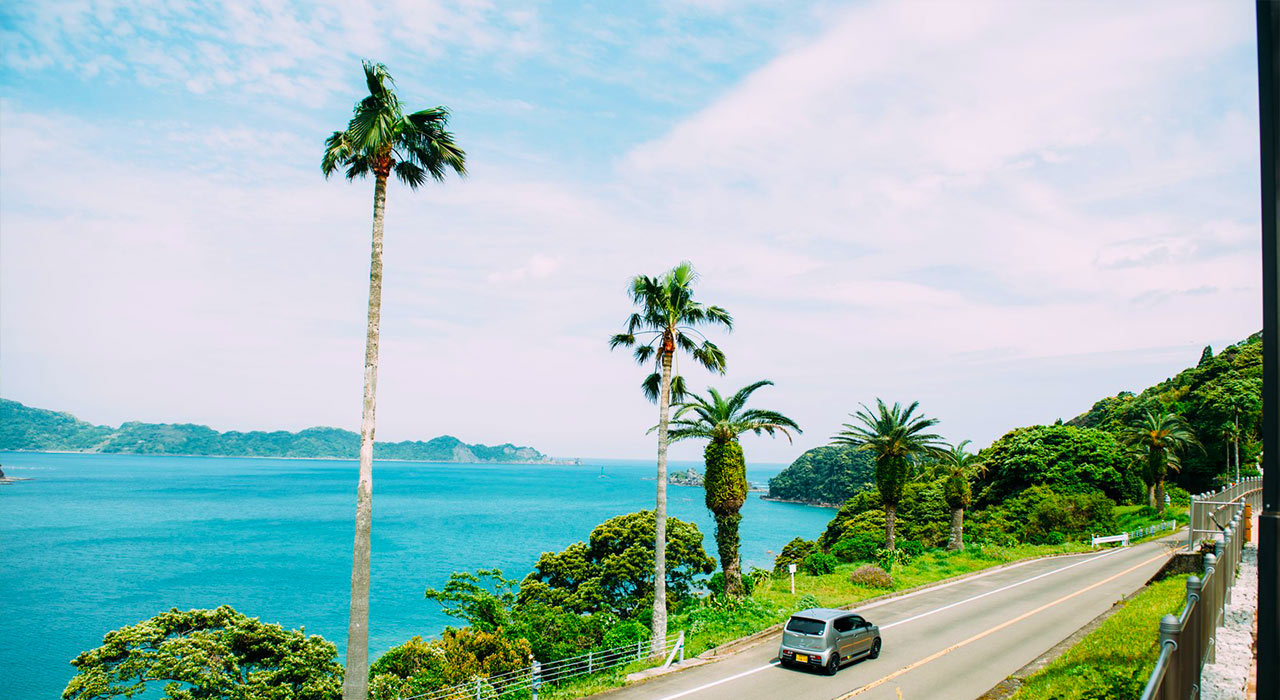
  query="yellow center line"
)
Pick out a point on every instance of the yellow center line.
point(993, 630)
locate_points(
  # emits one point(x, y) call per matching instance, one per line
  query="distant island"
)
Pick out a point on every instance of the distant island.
point(826, 476)
point(25, 428)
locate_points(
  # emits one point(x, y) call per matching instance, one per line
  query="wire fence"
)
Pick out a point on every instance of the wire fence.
point(525, 682)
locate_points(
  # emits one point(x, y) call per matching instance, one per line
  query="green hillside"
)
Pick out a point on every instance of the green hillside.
point(36, 429)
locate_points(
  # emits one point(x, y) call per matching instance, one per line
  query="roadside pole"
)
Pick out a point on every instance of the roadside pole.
point(1269, 519)
point(792, 569)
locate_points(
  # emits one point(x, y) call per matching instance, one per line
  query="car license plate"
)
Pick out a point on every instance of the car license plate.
point(801, 658)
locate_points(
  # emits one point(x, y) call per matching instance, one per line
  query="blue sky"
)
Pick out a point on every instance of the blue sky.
point(1005, 210)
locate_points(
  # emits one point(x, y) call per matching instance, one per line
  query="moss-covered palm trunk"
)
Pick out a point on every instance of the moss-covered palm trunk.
point(355, 683)
point(725, 487)
point(1156, 469)
point(956, 543)
point(890, 475)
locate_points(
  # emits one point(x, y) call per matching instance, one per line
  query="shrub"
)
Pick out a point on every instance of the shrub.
point(806, 601)
point(623, 634)
point(1054, 537)
point(715, 584)
point(793, 553)
point(889, 558)
point(819, 563)
point(860, 547)
point(417, 667)
point(911, 549)
point(871, 576)
point(1178, 496)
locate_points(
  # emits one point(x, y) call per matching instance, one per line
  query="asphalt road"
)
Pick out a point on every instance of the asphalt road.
point(952, 641)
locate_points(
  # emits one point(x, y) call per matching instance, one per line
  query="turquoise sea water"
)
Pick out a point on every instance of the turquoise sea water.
point(95, 542)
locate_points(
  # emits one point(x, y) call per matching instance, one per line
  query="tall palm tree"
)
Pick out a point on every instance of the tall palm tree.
point(666, 323)
point(959, 463)
point(380, 139)
point(1160, 437)
point(721, 421)
point(896, 439)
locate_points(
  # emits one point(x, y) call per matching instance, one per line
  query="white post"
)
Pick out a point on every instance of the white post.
point(792, 568)
point(590, 663)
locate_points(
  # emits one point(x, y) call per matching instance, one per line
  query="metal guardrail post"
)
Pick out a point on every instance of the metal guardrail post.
point(1209, 620)
point(535, 678)
point(1170, 634)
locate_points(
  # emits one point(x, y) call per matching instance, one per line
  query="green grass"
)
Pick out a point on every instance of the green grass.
point(1114, 660)
point(1133, 517)
point(716, 622)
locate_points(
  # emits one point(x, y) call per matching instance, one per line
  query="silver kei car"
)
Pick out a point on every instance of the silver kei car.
point(825, 638)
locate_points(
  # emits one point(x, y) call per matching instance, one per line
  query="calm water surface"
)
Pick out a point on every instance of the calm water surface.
point(95, 542)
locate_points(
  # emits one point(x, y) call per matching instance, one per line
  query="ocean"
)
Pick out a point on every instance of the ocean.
point(95, 542)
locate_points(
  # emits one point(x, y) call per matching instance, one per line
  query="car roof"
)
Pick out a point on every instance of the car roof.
point(821, 613)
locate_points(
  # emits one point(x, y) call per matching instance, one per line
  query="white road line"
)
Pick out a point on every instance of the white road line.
point(712, 684)
point(771, 664)
point(998, 590)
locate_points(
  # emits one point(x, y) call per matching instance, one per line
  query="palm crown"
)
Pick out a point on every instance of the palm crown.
point(723, 420)
point(956, 459)
point(666, 322)
point(1161, 435)
point(381, 138)
point(892, 433)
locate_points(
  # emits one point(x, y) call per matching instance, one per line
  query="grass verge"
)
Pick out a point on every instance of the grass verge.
point(1114, 660)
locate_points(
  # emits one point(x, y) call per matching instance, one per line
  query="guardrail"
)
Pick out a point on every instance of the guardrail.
point(1209, 511)
point(527, 681)
point(1188, 641)
point(1125, 537)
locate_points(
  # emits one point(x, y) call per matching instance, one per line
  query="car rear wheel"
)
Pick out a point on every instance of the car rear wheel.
point(875, 649)
point(833, 666)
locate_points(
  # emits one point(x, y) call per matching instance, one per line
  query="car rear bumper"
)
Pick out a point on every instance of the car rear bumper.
point(792, 655)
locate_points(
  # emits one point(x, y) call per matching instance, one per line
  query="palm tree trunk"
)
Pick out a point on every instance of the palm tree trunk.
point(957, 530)
point(727, 542)
point(657, 644)
point(1160, 496)
point(890, 524)
point(1151, 495)
point(355, 682)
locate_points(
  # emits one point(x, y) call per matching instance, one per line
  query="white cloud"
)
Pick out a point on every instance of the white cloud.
point(1005, 210)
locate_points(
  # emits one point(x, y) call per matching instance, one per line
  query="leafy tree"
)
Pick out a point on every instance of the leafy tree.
point(194, 654)
point(613, 570)
point(1065, 457)
point(897, 439)
point(1160, 438)
point(459, 656)
point(666, 323)
point(830, 474)
point(486, 606)
point(721, 421)
point(959, 464)
point(380, 139)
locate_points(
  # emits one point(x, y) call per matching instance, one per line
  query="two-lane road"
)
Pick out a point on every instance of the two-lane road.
point(951, 641)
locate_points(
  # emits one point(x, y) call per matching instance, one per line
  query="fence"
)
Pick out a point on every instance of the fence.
point(1210, 511)
point(1188, 641)
point(525, 682)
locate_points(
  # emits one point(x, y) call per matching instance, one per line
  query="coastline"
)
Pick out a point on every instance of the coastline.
point(555, 462)
point(800, 502)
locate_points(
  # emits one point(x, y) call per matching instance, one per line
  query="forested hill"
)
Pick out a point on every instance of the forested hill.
point(35, 429)
point(826, 475)
point(1220, 398)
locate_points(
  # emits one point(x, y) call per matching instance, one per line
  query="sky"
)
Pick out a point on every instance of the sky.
point(1004, 210)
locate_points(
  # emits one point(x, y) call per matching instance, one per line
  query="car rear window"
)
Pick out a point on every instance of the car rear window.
point(804, 625)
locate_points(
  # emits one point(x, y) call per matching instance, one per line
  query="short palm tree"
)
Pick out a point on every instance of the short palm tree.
point(958, 464)
point(1160, 438)
point(896, 439)
point(721, 421)
point(666, 323)
point(380, 139)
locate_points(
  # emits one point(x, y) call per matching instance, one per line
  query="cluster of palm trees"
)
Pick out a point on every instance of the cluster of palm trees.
point(382, 140)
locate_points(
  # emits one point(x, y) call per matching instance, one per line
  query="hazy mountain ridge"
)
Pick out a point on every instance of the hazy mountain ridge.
point(28, 428)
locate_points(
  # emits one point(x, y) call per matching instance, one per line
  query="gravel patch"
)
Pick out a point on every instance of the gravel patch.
point(1225, 679)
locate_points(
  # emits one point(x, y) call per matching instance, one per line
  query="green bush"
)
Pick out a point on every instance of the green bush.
point(1054, 537)
point(1178, 496)
point(793, 553)
point(818, 564)
point(889, 558)
point(417, 667)
point(871, 576)
point(715, 584)
point(861, 546)
point(911, 548)
point(623, 634)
